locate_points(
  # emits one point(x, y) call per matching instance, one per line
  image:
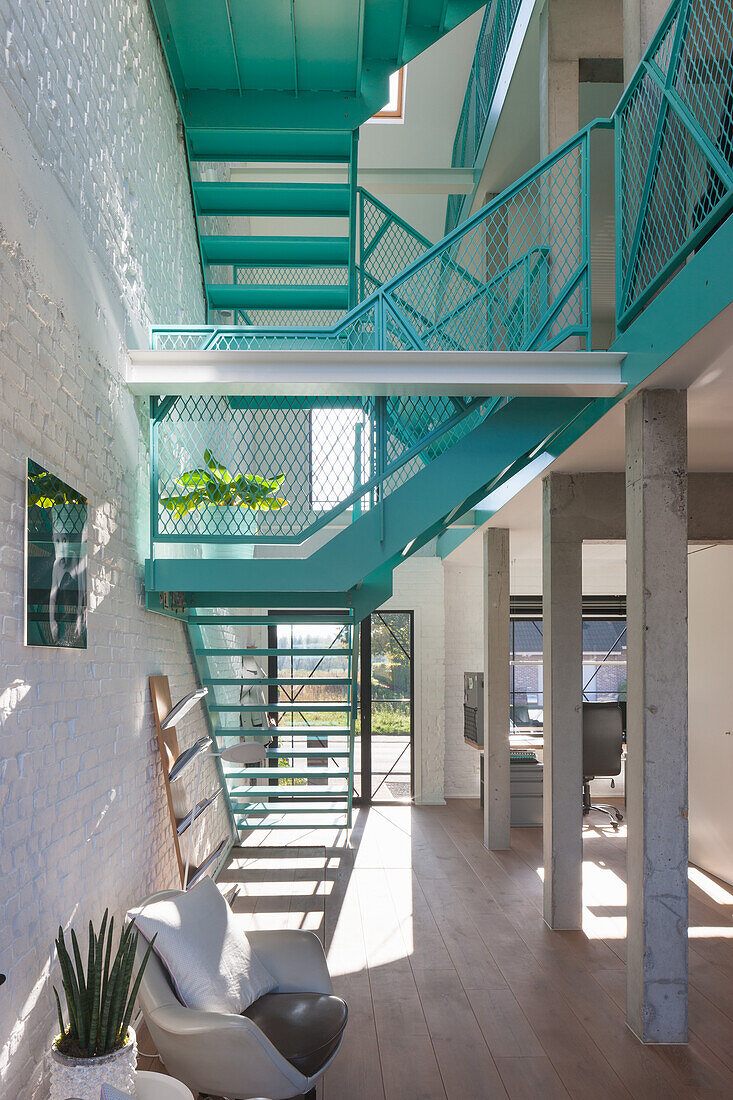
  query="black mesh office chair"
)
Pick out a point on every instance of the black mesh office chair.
point(603, 733)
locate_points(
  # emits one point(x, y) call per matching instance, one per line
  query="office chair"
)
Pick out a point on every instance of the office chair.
point(602, 745)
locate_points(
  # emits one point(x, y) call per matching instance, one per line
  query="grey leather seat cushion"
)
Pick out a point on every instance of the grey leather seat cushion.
point(305, 1027)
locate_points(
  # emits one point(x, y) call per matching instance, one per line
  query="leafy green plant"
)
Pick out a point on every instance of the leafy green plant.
point(99, 1002)
point(216, 485)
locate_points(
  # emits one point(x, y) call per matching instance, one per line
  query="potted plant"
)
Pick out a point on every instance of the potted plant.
point(223, 500)
point(97, 1046)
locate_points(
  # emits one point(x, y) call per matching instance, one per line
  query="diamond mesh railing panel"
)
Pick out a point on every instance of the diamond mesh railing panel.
point(292, 276)
point(289, 318)
point(297, 463)
point(387, 245)
point(356, 334)
point(500, 283)
point(491, 49)
point(675, 142)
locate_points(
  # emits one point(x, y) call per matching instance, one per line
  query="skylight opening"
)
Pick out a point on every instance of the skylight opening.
point(394, 108)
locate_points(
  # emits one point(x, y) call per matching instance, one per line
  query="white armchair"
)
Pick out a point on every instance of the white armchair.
point(279, 1048)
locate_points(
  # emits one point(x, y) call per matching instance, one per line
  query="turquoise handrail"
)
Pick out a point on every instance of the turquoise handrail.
point(492, 46)
point(673, 138)
point(403, 434)
point(674, 149)
point(547, 208)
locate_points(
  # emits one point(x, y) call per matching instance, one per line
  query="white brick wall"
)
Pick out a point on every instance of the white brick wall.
point(96, 241)
point(463, 653)
point(418, 587)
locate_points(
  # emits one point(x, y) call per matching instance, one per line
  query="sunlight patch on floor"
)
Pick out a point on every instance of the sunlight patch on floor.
point(714, 890)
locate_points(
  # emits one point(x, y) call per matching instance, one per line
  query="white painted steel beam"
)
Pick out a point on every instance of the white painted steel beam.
point(370, 373)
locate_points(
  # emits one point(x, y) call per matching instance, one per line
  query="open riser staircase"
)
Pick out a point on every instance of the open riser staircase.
point(275, 277)
point(514, 277)
point(286, 680)
point(285, 86)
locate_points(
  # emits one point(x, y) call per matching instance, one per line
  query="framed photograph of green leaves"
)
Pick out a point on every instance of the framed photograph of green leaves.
point(55, 562)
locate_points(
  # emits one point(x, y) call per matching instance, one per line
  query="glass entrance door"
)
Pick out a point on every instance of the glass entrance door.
point(384, 744)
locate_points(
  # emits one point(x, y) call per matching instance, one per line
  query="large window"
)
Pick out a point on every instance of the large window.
point(340, 454)
point(604, 663)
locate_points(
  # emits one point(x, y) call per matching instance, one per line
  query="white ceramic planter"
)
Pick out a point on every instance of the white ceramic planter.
point(83, 1078)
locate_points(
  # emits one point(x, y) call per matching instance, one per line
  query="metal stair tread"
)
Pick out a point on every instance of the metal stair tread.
point(305, 754)
point(284, 731)
point(268, 652)
point(329, 618)
point(254, 793)
point(287, 773)
point(271, 681)
point(272, 199)
point(275, 708)
point(277, 296)
point(267, 251)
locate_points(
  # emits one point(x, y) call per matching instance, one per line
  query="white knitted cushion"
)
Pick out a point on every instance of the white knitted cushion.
point(109, 1092)
point(209, 960)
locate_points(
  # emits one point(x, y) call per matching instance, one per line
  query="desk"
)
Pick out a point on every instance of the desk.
point(525, 780)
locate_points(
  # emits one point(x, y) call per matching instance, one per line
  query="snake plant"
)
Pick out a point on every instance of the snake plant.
point(99, 1002)
point(216, 485)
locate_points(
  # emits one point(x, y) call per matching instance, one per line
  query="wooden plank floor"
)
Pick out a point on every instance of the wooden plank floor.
point(456, 987)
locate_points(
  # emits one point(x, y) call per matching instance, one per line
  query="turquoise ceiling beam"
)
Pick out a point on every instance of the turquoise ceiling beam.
point(327, 62)
point(330, 146)
point(283, 110)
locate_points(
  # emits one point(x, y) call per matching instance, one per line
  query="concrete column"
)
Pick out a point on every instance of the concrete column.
point(641, 19)
point(497, 793)
point(656, 771)
point(558, 86)
point(562, 613)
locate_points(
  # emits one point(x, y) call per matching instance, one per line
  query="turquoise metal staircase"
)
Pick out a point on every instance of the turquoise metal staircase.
point(396, 472)
point(285, 82)
point(260, 278)
point(304, 720)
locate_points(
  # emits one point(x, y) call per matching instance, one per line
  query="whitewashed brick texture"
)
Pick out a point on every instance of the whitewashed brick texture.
point(96, 241)
point(463, 653)
point(418, 587)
